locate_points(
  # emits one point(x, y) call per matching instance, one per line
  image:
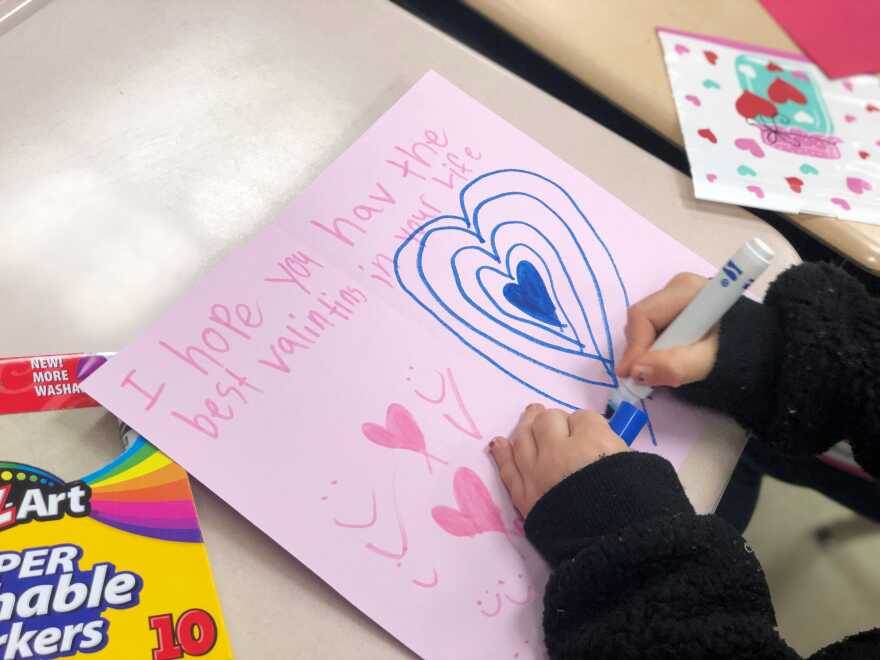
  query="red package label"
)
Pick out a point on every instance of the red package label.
point(46, 382)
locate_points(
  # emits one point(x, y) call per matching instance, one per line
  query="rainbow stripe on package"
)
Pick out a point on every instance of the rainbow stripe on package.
point(111, 565)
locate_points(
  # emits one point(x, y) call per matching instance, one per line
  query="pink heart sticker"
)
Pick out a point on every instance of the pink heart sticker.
point(711, 177)
point(748, 144)
point(849, 118)
point(401, 431)
point(476, 512)
point(842, 203)
point(759, 193)
point(857, 185)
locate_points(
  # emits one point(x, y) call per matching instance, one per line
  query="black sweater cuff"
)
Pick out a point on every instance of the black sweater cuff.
point(604, 497)
point(743, 381)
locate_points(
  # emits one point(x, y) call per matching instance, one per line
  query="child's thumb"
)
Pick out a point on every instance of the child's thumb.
point(674, 367)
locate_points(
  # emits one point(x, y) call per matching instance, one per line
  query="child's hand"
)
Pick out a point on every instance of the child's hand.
point(646, 319)
point(547, 446)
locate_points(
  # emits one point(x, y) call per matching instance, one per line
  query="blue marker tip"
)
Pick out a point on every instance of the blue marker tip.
point(627, 421)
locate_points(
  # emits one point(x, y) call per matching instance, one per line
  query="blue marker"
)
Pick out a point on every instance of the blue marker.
point(694, 321)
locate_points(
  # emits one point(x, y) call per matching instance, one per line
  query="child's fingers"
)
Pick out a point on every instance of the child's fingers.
point(640, 334)
point(502, 453)
point(648, 317)
point(550, 426)
point(585, 423)
point(522, 438)
point(674, 367)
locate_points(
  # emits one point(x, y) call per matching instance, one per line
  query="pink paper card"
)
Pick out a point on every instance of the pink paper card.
point(767, 129)
point(337, 379)
point(840, 36)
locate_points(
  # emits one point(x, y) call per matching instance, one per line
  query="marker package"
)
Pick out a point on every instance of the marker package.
point(110, 565)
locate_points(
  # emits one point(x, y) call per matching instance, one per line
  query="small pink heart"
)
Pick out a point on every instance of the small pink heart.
point(711, 177)
point(849, 118)
point(857, 185)
point(800, 74)
point(476, 512)
point(848, 85)
point(693, 99)
point(681, 49)
point(748, 144)
point(842, 203)
point(401, 431)
point(757, 190)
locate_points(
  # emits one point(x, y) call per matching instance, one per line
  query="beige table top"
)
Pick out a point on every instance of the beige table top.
point(611, 47)
point(143, 144)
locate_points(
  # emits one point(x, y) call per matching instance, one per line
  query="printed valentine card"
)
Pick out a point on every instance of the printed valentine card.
point(767, 129)
point(337, 378)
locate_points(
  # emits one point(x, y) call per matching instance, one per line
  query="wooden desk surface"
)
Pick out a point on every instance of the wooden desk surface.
point(611, 47)
point(143, 145)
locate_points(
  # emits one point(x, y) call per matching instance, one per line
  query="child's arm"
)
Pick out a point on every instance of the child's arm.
point(798, 371)
point(636, 574)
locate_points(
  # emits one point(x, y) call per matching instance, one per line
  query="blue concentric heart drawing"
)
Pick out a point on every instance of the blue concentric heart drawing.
point(523, 279)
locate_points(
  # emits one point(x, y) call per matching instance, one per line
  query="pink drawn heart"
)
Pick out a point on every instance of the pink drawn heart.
point(842, 203)
point(748, 144)
point(681, 49)
point(693, 99)
point(711, 177)
point(757, 190)
point(849, 118)
point(848, 85)
point(857, 185)
point(476, 512)
point(401, 431)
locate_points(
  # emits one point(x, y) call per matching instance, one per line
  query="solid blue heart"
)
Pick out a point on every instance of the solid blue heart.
point(529, 295)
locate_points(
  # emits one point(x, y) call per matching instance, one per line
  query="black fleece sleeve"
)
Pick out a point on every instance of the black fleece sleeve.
point(799, 371)
point(637, 574)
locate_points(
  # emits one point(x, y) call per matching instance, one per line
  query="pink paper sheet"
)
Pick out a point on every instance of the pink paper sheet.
point(341, 397)
point(840, 36)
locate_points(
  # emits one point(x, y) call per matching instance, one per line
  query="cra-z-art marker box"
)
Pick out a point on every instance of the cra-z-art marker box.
point(109, 566)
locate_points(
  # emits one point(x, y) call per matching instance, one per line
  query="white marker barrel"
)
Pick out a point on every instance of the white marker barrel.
point(706, 309)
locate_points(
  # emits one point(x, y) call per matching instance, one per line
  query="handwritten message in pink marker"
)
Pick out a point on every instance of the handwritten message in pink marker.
point(337, 379)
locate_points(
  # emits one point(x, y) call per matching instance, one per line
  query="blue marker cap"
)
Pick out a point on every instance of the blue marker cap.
point(627, 421)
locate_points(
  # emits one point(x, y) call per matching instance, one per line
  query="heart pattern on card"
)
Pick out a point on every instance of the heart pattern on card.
point(707, 134)
point(751, 105)
point(783, 92)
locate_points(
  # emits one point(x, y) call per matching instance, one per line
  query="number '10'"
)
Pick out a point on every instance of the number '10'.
point(195, 634)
